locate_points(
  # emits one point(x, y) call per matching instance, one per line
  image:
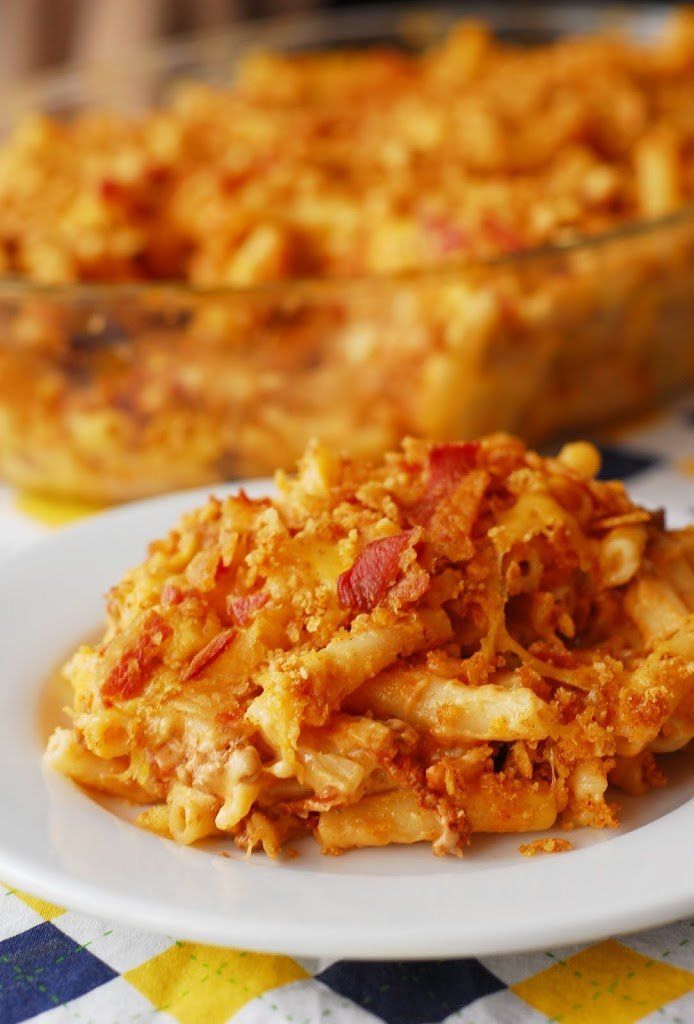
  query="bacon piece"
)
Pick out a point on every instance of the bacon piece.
point(124, 195)
point(231, 714)
point(158, 175)
point(363, 585)
point(129, 676)
point(410, 587)
point(452, 496)
point(446, 236)
point(171, 594)
point(209, 653)
point(506, 237)
point(447, 465)
point(111, 190)
point(451, 525)
point(243, 608)
point(448, 462)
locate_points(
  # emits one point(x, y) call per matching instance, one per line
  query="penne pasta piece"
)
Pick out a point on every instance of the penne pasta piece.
point(587, 785)
point(621, 550)
point(192, 813)
point(378, 820)
point(501, 805)
point(656, 607)
point(675, 734)
point(236, 806)
point(658, 174)
point(654, 690)
point(156, 819)
point(66, 754)
point(452, 710)
point(338, 759)
point(636, 775)
point(106, 733)
point(329, 675)
point(400, 817)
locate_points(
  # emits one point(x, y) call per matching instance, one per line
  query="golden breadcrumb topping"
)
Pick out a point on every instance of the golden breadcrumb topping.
point(545, 846)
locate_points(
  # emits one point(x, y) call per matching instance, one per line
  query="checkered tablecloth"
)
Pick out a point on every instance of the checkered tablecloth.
point(59, 967)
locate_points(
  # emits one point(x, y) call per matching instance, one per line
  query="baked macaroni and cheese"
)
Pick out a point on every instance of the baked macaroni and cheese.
point(459, 638)
point(357, 162)
point(367, 172)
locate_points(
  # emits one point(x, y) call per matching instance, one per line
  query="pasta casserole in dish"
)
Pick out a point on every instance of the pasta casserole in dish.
point(357, 244)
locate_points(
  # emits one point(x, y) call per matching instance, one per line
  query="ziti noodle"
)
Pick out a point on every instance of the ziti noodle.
point(458, 638)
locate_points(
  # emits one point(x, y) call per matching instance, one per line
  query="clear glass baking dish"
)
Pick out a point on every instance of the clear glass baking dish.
point(110, 392)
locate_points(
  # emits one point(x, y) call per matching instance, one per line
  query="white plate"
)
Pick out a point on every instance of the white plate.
point(63, 845)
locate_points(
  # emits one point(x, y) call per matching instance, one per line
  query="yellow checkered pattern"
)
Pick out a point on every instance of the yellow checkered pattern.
point(608, 982)
point(612, 982)
point(205, 983)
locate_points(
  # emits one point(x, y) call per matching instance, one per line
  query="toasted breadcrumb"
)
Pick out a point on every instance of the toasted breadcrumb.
point(545, 846)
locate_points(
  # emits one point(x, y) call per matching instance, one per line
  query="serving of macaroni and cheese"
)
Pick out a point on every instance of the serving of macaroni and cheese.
point(457, 638)
point(355, 245)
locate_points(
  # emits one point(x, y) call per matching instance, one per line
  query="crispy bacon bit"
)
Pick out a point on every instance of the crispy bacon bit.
point(231, 714)
point(448, 462)
point(111, 190)
point(545, 846)
point(446, 236)
point(451, 523)
point(559, 657)
point(451, 497)
point(124, 195)
point(209, 653)
point(128, 678)
point(202, 570)
point(506, 237)
point(242, 609)
point(158, 175)
point(171, 594)
point(413, 585)
point(374, 570)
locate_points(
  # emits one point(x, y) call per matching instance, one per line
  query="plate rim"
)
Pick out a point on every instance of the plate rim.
point(385, 946)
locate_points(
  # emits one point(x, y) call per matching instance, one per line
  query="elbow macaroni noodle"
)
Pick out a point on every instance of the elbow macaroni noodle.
point(459, 638)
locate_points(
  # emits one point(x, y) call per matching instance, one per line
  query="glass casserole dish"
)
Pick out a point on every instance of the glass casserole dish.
point(114, 389)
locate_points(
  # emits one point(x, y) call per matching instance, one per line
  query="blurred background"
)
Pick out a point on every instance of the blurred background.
point(445, 238)
point(43, 33)
point(35, 34)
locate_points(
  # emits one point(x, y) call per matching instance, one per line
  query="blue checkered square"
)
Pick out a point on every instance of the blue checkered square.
point(411, 993)
point(42, 968)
